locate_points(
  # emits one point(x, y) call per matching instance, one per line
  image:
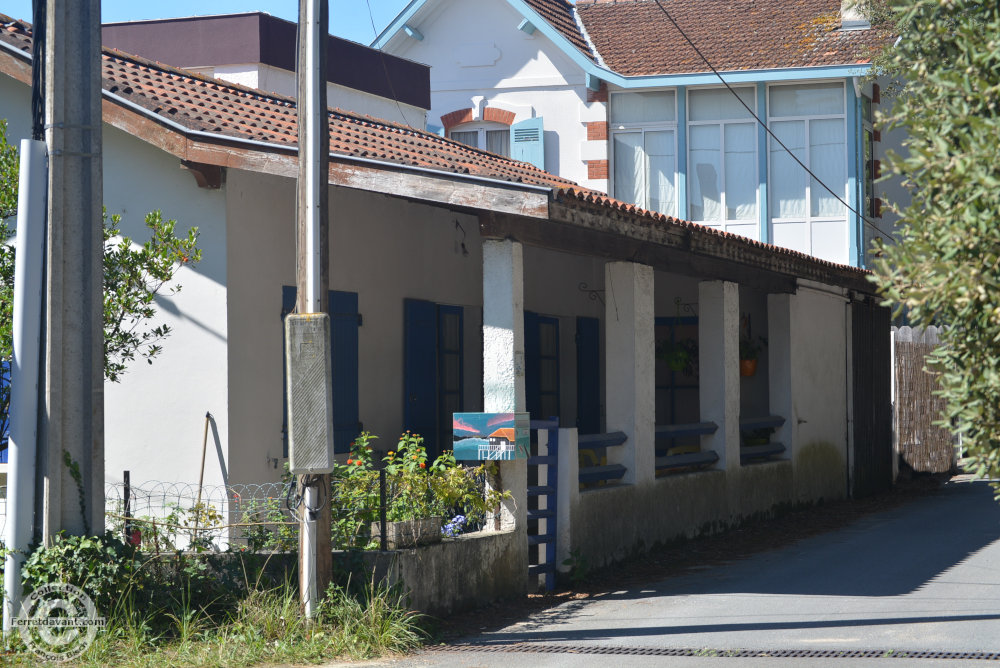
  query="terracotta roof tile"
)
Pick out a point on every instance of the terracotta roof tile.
point(559, 13)
point(214, 106)
point(635, 38)
point(229, 110)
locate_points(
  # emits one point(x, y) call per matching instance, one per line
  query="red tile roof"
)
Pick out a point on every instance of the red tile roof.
point(635, 38)
point(559, 13)
point(228, 110)
point(231, 111)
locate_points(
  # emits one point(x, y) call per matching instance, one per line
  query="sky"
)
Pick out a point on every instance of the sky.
point(349, 19)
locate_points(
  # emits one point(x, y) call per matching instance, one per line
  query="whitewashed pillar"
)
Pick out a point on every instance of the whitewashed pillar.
point(779, 355)
point(630, 367)
point(719, 364)
point(503, 360)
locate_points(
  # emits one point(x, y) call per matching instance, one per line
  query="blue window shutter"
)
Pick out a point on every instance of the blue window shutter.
point(532, 366)
point(527, 142)
point(420, 368)
point(344, 323)
point(287, 306)
point(588, 375)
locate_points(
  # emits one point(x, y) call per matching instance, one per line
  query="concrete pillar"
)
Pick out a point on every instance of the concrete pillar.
point(779, 350)
point(71, 427)
point(503, 360)
point(719, 364)
point(630, 367)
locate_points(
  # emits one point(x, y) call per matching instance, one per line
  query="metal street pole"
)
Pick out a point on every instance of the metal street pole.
point(312, 270)
point(70, 473)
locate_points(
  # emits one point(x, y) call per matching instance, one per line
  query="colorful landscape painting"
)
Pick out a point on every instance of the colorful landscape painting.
point(491, 436)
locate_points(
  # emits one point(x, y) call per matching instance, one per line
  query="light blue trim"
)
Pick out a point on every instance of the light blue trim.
point(591, 68)
point(682, 154)
point(413, 32)
point(593, 82)
point(526, 26)
point(853, 117)
point(397, 23)
point(748, 76)
point(763, 151)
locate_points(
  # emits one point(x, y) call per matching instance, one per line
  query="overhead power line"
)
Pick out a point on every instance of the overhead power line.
point(767, 129)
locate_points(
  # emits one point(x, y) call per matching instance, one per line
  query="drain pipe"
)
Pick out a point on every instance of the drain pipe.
point(28, 287)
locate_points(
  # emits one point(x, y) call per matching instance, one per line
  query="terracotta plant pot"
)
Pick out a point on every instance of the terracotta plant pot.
point(748, 367)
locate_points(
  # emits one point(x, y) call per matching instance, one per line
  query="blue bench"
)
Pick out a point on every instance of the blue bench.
point(687, 460)
point(606, 473)
point(751, 453)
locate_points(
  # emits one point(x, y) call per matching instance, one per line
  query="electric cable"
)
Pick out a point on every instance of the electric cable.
point(385, 67)
point(767, 129)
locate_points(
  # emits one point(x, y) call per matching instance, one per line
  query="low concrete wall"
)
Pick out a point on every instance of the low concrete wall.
point(458, 574)
point(678, 506)
point(465, 573)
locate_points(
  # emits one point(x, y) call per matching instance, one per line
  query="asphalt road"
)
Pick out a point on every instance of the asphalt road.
point(891, 589)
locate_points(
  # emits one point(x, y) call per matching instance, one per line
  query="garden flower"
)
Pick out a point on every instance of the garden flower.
point(358, 462)
point(423, 465)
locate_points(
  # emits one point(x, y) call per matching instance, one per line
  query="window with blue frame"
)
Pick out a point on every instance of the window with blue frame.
point(722, 159)
point(344, 323)
point(433, 370)
point(541, 365)
point(644, 149)
point(810, 120)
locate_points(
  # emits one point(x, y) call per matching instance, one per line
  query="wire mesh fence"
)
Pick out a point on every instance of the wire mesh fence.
point(365, 508)
point(166, 516)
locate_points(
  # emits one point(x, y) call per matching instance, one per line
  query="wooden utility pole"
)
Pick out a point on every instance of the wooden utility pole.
point(70, 474)
point(313, 225)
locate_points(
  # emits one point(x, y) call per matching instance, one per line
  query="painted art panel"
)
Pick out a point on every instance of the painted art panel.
point(490, 436)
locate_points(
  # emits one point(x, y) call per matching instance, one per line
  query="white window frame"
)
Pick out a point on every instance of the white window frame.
point(724, 222)
point(809, 219)
point(643, 127)
point(481, 127)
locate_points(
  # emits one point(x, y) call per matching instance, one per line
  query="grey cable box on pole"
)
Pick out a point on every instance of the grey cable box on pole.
point(310, 405)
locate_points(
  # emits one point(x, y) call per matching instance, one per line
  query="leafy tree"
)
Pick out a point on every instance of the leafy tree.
point(946, 267)
point(133, 276)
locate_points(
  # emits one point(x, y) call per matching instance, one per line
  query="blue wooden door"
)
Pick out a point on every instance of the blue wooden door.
point(588, 375)
point(420, 383)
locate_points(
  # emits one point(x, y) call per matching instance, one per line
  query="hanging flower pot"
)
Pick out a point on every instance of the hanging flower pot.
point(748, 367)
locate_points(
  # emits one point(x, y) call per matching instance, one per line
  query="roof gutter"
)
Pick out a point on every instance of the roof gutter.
point(293, 150)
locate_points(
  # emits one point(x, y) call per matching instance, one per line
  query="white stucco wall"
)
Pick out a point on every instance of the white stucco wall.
point(384, 249)
point(498, 65)
point(277, 80)
point(154, 417)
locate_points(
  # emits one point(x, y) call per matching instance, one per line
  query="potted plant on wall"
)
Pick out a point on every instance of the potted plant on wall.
point(750, 348)
point(679, 356)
